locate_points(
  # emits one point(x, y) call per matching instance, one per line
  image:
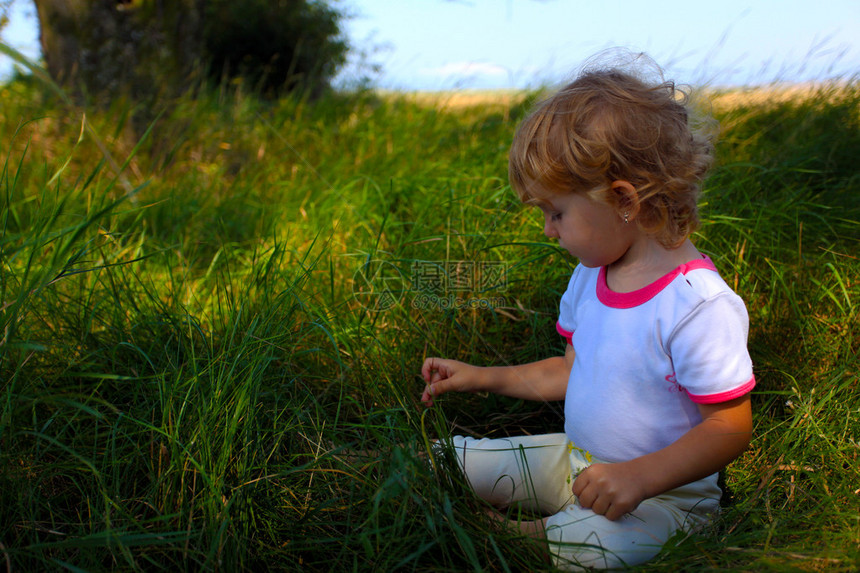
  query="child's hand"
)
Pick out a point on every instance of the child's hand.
point(611, 490)
point(443, 376)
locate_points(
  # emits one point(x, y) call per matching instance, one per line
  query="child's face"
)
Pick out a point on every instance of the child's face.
point(591, 231)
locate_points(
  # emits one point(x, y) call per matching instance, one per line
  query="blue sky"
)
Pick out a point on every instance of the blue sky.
point(438, 44)
point(485, 44)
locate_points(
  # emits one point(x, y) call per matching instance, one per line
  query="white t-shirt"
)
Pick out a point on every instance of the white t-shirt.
point(645, 358)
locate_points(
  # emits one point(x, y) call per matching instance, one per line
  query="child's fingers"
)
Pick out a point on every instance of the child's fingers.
point(586, 491)
point(601, 489)
point(438, 387)
point(427, 397)
point(435, 389)
point(431, 366)
point(442, 376)
point(580, 485)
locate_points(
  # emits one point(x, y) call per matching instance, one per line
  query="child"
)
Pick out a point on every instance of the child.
point(656, 374)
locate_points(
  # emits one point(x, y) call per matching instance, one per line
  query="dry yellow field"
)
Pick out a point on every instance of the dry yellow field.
point(462, 98)
point(720, 99)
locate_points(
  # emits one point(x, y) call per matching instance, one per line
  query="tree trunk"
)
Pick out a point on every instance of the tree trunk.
point(107, 48)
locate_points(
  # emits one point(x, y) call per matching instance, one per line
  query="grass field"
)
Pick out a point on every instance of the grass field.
point(201, 320)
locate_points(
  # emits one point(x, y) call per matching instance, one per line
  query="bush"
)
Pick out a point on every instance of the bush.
point(274, 45)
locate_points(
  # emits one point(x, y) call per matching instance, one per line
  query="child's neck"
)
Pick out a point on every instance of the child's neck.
point(645, 262)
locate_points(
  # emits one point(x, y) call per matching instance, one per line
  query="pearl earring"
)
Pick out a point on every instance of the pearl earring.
point(625, 217)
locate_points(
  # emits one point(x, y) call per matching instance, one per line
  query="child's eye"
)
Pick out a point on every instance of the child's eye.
point(555, 216)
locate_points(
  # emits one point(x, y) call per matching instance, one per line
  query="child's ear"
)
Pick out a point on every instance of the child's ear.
point(626, 198)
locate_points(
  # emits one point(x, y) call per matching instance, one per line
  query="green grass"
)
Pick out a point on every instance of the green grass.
point(185, 367)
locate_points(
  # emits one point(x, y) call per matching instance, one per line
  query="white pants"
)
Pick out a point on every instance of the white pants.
point(537, 472)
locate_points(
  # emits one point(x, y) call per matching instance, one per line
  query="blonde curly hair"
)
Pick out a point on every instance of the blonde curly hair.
point(610, 125)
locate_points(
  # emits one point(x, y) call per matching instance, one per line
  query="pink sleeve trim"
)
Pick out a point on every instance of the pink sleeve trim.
point(566, 334)
point(723, 396)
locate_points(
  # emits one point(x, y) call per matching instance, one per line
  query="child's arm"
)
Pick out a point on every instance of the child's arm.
point(545, 380)
point(616, 489)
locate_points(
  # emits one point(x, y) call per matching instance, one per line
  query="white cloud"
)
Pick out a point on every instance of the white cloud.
point(470, 69)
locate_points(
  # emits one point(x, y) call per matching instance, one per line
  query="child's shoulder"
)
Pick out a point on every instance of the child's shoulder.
point(704, 280)
point(582, 279)
point(705, 298)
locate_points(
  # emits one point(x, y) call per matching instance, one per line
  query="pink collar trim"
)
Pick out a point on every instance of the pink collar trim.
point(631, 299)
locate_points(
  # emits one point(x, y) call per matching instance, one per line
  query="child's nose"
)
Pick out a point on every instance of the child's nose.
point(549, 228)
